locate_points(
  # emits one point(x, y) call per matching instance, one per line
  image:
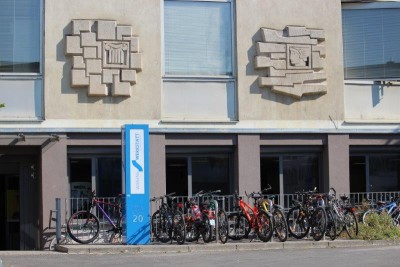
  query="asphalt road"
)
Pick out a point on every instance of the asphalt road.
point(362, 256)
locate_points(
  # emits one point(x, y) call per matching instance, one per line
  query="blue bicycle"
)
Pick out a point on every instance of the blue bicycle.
point(391, 208)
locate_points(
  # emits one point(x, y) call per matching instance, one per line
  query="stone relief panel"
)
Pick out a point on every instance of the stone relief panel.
point(294, 60)
point(105, 57)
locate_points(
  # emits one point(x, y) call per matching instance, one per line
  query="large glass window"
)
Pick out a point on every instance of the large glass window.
point(375, 172)
point(104, 174)
point(371, 41)
point(291, 172)
point(187, 175)
point(198, 38)
point(20, 36)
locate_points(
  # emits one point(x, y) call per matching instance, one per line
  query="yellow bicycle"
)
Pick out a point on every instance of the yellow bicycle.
point(278, 216)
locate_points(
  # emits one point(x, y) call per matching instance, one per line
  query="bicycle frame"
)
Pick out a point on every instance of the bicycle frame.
point(97, 204)
point(247, 209)
point(389, 208)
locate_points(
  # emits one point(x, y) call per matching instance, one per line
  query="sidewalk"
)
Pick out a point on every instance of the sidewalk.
point(229, 246)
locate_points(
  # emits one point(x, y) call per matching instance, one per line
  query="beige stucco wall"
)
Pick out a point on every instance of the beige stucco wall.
point(64, 102)
point(372, 102)
point(260, 103)
point(254, 103)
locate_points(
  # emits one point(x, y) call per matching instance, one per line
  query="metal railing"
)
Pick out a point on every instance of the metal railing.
point(68, 206)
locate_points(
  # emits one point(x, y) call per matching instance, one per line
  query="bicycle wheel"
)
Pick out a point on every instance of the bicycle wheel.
point(265, 227)
point(280, 225)
point(331, 225)
point(222, 226)
point(351, 224)
point(159, 227)
point(238, 226)
point(83, 227)
point(367, 214)
point(206, 229)
point(179, 227)
point(192, 234)
point(116, 236)
point(297, 221)
point(318, 223)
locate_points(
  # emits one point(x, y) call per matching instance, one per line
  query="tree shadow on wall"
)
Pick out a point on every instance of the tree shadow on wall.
point(65, 81)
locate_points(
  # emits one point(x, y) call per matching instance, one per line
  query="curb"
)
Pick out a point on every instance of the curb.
point(201, 247)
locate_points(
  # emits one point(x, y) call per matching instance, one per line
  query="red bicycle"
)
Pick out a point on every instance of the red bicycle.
point(250, 218)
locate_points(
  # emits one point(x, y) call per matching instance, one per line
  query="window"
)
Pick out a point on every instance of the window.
point(198, 38)
point(375, 172)
point(20, 36)
point(188, 174)
point(371, 41)
point(290, 172)
point(298, 172)
point(198, 61)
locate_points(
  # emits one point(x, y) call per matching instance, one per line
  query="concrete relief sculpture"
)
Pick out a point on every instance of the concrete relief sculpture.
point(294, 59)
point(104, 56)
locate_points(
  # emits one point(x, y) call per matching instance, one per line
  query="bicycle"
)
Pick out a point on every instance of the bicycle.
point(167, 222)
point(208, 206)
point(344, 214)
point(250, 218)
point(390, 208)
point(84, 226)
point(278, 216)
point(197, 221)
point(307, 214)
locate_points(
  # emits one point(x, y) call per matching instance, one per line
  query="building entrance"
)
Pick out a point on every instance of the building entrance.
point(9, 212)
point(19, 204)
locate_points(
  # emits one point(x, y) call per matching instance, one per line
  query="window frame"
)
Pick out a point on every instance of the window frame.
point(199, 78)
point(33, 75)
point(368, 6)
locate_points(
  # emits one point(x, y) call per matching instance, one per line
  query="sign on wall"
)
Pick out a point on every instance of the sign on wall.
point(137, 184)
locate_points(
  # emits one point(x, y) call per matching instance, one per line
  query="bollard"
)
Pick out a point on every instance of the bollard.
point(58, 221)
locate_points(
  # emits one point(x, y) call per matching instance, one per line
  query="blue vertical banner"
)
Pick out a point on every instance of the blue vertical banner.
point(137, 184)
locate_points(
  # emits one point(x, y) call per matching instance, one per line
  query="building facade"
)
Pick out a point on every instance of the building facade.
point(238, 94)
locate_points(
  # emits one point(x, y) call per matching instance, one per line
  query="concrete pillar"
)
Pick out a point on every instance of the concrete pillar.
point(54, 182)
point(337, 163)
point(158, 184)
point(248, 163)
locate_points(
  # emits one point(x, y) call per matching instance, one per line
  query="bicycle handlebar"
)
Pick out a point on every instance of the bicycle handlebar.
point(163, 196)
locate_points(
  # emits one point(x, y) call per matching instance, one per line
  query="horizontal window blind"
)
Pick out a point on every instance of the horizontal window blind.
point(371, 43)
point(19, 36)
point(198, 38)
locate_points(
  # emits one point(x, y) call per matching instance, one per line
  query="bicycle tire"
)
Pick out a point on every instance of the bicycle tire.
point(267, 228)
point(192, 233)
point(179, 227)
point(280, 225)
point(340, 226)
point(351, 224)
point(367, 214)
point(297, 222)
point(83, 227)
point(222, 227)
point(331, 225)
point(238, 226)
point(318, 223)
point(159, 227)
point(206, 229)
